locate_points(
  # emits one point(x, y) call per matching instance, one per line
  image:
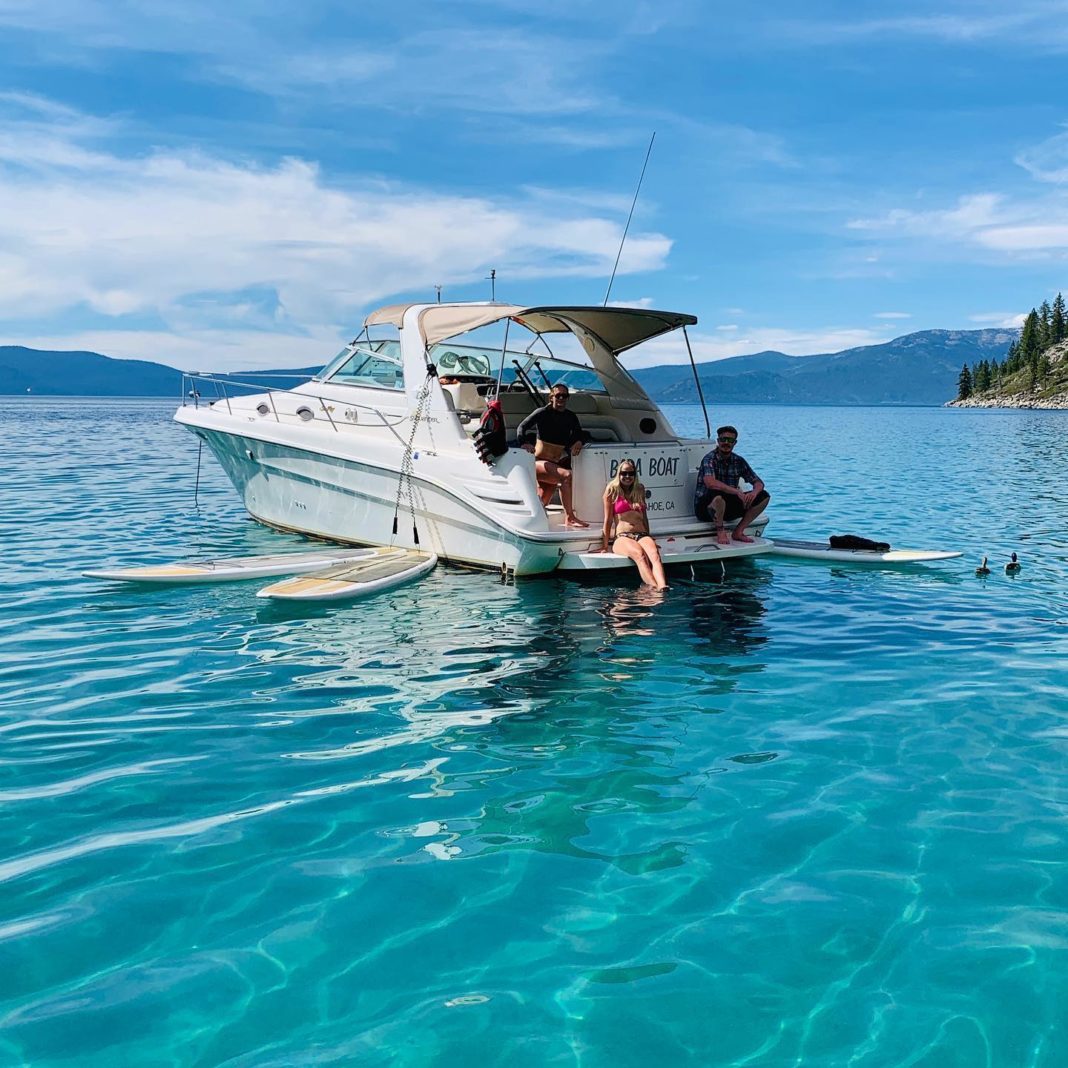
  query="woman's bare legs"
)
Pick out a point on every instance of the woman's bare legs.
point(552, 477)
point(629, 547)
point(652, 551)
point(567, 500)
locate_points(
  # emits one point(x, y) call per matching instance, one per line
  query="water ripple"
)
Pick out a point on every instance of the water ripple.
point(796, 814)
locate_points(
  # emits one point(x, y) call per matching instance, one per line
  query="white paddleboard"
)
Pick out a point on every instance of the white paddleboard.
point(820, 550)
point(237, 567)
point(358, 579)
point(692, 550)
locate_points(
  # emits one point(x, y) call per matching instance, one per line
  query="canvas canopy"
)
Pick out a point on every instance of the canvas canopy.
point(618, 329)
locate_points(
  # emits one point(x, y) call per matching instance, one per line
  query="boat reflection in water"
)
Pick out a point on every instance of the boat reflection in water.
point(585, 688)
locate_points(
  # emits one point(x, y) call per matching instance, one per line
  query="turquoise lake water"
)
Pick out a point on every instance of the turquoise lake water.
point(793, 815)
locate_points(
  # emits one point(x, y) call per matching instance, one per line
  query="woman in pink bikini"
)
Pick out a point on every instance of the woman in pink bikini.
point(626, 525)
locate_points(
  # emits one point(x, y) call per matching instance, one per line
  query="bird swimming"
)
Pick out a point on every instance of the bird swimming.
point(1013, 565)
point(982, 569)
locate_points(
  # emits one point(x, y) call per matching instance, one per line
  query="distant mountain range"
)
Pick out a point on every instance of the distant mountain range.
point(920, 368)
point(39, 372)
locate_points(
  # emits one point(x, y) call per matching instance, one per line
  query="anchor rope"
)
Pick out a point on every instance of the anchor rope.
point(407, 472)
point(196, 486)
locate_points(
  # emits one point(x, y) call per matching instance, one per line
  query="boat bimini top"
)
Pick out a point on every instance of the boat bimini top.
point(602, 333)
point(618, 329)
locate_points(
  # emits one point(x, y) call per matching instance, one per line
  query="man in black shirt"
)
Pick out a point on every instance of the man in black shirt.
point(559, 437)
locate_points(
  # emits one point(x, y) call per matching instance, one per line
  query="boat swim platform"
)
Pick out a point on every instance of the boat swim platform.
point(697, 549)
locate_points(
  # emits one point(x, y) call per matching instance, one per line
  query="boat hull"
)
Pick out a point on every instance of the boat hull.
point(346, 485)
point(354, 502)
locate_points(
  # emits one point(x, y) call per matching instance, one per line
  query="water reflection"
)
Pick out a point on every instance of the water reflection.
point(631, 612)
point(547, 705)
point(729, 614)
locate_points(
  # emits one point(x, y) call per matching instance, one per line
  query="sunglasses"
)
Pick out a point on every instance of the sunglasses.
point(726, 441)
point(627, 474)
point(560, 393)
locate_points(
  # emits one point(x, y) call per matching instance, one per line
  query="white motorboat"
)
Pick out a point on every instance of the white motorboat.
point(380, 448)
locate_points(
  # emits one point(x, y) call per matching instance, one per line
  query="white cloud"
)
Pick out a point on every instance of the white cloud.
point(1033, 22)
point(1006, 320)
point(989, 220)
point(1047, 161)
point(641, 302)
point(448, 62)
point(151, 236)
point(893, 315)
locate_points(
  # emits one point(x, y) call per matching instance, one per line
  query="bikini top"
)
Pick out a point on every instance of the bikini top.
point(623, 505)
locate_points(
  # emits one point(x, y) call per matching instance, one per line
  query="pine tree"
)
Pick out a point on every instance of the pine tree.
point(1045, 334)
point(964, 384)
point(1030, 340)
point(981, 378)
point(1057, 324)
point(1012, 360)
point(1045, 368)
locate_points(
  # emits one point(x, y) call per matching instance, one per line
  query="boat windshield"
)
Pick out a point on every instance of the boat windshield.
point(540, 369)
point(376, 364)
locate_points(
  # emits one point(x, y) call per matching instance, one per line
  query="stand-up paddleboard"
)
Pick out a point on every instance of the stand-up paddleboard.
point(358, 579)
point(691, 550)
point(820, 550)
point(237, 567)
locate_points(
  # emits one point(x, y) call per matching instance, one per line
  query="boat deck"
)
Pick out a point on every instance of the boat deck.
point(693, 549)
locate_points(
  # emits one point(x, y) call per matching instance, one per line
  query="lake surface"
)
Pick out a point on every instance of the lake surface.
point(793, 815)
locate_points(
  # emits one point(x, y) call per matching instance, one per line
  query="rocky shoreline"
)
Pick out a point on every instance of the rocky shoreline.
point(1055, 398)
point(1012, 400)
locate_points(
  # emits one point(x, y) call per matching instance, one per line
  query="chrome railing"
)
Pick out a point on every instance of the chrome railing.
point(211, 389)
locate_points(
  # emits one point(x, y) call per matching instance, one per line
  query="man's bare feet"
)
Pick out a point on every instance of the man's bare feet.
point(574, 521)
point(723, 537)
point(741, 537)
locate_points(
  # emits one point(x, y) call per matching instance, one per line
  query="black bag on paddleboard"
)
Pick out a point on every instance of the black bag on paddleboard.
point(854, 541)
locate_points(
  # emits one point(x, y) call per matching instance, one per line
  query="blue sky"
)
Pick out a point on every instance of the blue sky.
point(223, 186)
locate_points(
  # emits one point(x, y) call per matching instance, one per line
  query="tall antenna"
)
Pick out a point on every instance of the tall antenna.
point(438, 289)
point(493, 284)
point(623, 241)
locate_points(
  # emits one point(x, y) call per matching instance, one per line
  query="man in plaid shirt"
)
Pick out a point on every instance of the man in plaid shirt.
point(718, 499)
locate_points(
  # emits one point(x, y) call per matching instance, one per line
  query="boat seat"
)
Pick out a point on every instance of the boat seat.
point(603, 434)
point(582, 404)
point(464, 397)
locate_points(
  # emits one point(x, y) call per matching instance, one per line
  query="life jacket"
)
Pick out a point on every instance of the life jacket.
point(490, 438)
